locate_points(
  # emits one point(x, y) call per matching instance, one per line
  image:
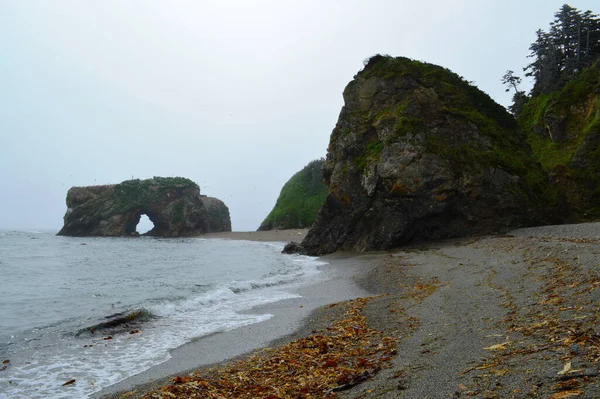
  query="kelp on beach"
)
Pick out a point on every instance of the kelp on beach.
point(337, 358)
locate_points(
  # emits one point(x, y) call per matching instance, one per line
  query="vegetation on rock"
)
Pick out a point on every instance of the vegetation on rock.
point(173, 204)
point(563, 129)
point(419, 153)
point(299, 201)
point(561, 116)
point(571, 44)
point(461, 100)
point(135, 192)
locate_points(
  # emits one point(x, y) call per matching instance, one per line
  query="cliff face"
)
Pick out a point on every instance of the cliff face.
point(419, 154)
point(299, 201)
point(563, 129)
point(174, 205)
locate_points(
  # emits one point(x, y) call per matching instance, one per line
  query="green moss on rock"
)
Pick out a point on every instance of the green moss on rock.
point(299, 201)
point(563, 130)
point(418, 153)
point(135, 192)
point(173, 204)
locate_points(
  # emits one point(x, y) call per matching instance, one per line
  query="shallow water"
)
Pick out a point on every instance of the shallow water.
point(64, 296)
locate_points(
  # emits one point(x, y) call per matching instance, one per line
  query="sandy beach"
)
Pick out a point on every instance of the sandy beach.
point(269, 235)
point(511, 316)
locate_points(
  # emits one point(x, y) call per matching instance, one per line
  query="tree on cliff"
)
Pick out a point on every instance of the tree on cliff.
point(520, 97)
point(572, 44)
point(560, 116)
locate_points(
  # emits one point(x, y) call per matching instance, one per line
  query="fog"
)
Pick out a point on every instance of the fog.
point(235, 95)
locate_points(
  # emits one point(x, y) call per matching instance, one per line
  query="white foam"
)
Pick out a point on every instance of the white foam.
point(106, 362)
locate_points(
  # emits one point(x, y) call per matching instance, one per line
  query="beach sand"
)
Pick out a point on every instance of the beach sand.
point(511, 316)
point(269, 235)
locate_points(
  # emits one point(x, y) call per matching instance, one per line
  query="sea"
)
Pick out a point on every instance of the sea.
point(98, 310)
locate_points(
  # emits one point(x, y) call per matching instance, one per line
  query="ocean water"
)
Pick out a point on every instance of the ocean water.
point(61, 298)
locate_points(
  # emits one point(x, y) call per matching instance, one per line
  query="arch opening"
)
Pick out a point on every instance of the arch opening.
point(144, 225)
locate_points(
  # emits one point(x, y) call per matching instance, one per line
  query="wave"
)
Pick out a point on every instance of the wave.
point(164, 311)
point(238, 287)
point(4, 350)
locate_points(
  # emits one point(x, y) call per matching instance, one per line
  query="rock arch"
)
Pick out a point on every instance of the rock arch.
point(173, 204)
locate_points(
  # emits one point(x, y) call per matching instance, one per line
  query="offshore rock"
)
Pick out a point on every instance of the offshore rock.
point(217, 215)
point(420, 154)
point(173, 204)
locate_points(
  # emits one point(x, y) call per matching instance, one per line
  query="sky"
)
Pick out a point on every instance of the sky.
point(235, 95)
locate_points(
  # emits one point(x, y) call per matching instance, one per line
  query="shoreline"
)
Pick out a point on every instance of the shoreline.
point(290, 319)
point(503, 316)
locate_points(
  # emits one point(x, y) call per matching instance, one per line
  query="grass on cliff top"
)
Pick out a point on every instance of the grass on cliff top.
point(460, 100)
point(452, 88)
point(136, 192)
point(300, 199)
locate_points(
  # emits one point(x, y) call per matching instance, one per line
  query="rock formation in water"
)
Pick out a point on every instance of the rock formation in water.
point(173, 204)
point(419, 154)
point(299, 201)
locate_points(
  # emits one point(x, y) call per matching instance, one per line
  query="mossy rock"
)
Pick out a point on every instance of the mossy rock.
point(299, 201)
point(420, 153)
point(173, 204)
point(563, 130)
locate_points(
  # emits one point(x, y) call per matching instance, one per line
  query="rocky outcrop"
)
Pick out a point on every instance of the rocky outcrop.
point(299, 201)
point(173, 204)
point(420, 154)
point(217, 215)
point(563, 129)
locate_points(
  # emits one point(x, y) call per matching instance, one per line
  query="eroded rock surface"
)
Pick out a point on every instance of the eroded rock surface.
point(420, 154)
point(173, 204)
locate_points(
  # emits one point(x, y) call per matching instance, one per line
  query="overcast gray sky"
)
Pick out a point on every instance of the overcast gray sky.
point(235, 95)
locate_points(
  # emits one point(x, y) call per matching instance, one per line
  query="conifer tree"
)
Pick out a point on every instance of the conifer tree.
point(519, 98)
point(572, 44)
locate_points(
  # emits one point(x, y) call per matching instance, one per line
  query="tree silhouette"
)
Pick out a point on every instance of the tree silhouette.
point(572, 44)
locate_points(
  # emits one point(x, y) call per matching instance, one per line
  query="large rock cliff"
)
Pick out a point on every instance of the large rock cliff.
point(417, 154)
point(174, 205)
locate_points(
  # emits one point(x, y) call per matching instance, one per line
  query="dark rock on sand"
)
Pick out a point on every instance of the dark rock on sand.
point(420, 154)
point(173, 204)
